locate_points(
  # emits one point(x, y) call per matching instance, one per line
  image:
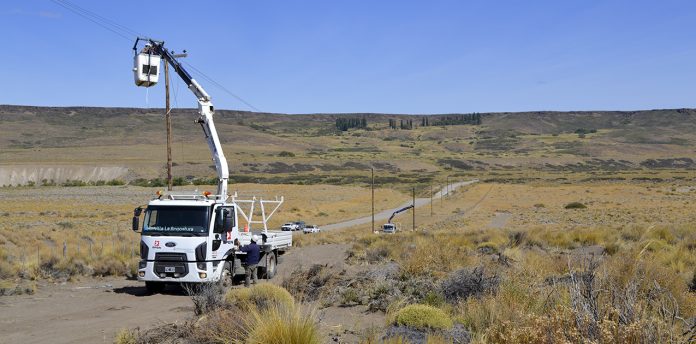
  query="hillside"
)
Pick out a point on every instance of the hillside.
point(36, 140)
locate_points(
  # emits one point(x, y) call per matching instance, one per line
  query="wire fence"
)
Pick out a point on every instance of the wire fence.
point(114, 245)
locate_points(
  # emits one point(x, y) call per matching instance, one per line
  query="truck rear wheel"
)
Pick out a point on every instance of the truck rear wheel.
point(271, 266)
point(154, 287)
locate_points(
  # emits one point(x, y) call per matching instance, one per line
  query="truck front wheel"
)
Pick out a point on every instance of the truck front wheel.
point(154, 287)
point(226, 275)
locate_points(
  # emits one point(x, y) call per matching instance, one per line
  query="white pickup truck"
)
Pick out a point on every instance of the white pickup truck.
point(289, 227)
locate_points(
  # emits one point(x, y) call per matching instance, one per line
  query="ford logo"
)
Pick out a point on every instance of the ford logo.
point(170, 244)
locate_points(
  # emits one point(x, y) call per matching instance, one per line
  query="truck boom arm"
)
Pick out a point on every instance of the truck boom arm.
point(205, 110)
point(399, 211)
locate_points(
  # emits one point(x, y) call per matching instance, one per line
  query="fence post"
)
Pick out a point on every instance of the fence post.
point(65, 248)
point(90, 249)
point(78, 248)
point(38, 256)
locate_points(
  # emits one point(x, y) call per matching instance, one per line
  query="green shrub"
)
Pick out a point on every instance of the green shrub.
point(179, 181)
point(286, 154)
point(575, 205)
point(260, 296)
point(115, 182)
point(71, 183)
point(423, 317)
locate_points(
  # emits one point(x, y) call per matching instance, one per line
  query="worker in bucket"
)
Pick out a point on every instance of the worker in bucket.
point(253, 256)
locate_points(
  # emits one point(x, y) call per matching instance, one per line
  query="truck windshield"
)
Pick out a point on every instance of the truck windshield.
point(173, 220)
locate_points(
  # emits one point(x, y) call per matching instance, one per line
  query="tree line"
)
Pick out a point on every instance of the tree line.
point(343, 124)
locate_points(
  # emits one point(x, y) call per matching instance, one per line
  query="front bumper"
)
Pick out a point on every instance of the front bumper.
point(181, 272)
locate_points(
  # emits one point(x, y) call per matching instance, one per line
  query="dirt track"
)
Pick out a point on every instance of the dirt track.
point(87, 312)
point(93, 311)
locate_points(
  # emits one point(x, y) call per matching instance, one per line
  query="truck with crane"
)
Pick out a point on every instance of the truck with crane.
point(195, 238)
point(390, 227)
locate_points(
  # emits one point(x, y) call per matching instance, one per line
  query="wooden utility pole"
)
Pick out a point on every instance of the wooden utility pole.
point(414, 208)
point(373, 198)
point(168, 119)
point(431, 199)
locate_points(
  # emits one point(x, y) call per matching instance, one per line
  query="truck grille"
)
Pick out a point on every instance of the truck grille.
point(170, 257)
point(171, 265)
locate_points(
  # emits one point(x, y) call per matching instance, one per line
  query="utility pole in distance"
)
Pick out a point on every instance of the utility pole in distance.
point(448, 187)
point(431, 199)
point(414, 208)
point(373, 199)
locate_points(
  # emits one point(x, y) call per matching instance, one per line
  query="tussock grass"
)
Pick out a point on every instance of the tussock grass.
point(422, 317)
point(261, 296)
point(280, 324)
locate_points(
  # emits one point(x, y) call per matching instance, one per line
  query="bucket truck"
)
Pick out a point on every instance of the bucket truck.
point(194, 238)
point(390, 227)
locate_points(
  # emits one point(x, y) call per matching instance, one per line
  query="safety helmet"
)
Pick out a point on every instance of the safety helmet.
point(255, 238)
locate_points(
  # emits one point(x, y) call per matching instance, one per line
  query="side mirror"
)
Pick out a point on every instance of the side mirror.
point(136, 218)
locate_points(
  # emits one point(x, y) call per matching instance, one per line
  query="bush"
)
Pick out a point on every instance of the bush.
point(423, 317)
point(126, 336)
point(206, 297)
point(71, 183)
point(280, 325)
point(179, 181)
point(575, 205)
point(109, 266)
point(115, 182)
point(286, 154)
point(260, 296)
point(464, 283)
point(311, 284)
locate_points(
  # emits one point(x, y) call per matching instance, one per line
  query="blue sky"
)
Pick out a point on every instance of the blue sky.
point(363, 56)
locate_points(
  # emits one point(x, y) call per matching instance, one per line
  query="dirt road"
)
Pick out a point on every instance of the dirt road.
point(384, 215)
point(87, 312)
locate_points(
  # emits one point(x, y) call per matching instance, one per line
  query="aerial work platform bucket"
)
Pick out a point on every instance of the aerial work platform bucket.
point(146, 68)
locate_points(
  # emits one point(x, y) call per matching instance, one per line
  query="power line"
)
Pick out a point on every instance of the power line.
point(124, 31)
point(221, 87)
point(105, 23)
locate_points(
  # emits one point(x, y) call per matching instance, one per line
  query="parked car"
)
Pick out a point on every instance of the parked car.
point(300, 225)
point(290, 226)
point(311, 229)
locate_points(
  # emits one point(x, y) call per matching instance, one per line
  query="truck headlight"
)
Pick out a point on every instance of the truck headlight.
point(201, 266)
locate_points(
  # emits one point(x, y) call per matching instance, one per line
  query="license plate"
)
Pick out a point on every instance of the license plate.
point(169, 269)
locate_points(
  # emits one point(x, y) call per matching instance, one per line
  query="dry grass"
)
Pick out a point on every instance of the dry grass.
point(641, 235)
point(63, 233)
